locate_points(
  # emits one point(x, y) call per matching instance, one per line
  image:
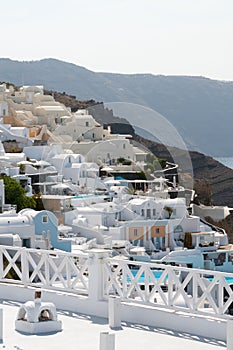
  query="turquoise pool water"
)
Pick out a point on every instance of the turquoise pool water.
point(84, 196)
point(89, 196)
point(229, 280)
point(157, 274)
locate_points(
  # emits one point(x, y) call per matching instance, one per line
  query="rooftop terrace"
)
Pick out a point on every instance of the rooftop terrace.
point(83, 332)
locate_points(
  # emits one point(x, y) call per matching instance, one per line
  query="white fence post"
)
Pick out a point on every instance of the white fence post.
point(1, 324)
point(96, 273)
point(230, 335)
point(1, 262)
point(107, 341)
point(114, 312)
point(24, 266)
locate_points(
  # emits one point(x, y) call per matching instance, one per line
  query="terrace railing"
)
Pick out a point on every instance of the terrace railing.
point(43, 268)
point(98, 276)
point(165, 286)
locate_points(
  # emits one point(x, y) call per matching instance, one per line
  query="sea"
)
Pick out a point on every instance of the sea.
point(227, 161)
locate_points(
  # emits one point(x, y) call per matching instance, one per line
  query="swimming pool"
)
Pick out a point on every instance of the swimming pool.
point(229, 280)
point(157, 274)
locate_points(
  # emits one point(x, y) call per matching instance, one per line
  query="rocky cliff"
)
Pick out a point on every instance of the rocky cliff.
point(212, 180)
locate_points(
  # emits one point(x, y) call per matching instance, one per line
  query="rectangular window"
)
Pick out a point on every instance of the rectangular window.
point(154, 212)
point(143, 213)
point(157, 230)
point(135, 232)
point(45, 219)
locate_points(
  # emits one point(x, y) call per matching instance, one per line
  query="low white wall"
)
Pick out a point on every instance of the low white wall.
point(130, 312)
point(176, 321)
point(216, 213)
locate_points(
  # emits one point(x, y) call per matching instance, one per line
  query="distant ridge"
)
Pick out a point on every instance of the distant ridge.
point(200, 108)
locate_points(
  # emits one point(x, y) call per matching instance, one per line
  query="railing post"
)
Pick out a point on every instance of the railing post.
point(24, 267)
point(96, 273)
point(229, 334)
point(47, 273)
point(107, 341)
point(1, 263)
point(1, 324)
point(114, 312)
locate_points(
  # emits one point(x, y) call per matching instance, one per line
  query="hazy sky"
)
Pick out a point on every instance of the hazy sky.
point(179, 37)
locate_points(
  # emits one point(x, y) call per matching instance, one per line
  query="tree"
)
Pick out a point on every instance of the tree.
point(16, 195)
point(154, 162)
point(39, 202)
point(22, 168)
point(169, 210)
point(188, 240)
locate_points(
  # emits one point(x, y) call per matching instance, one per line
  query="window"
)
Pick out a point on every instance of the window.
point(123, 145)
point(87, 123)
point(4, 112)
point(135, 232)
point(44, 219)
point(154, 212)
point(157, 230)
point(143, 213)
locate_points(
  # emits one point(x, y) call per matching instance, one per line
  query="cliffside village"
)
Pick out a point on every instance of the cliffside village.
point(113, 244)
point(79, 168)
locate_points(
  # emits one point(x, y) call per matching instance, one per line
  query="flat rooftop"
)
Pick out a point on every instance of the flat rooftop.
point(83, 332)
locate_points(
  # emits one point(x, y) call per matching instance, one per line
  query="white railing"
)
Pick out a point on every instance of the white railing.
point(98, 276)
point(164, 286)
point(43, 268)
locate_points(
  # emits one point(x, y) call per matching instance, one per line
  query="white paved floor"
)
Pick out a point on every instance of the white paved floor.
point(82, 332)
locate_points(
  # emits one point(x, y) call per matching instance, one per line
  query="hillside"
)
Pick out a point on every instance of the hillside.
point(200, 108)
point(212, 180)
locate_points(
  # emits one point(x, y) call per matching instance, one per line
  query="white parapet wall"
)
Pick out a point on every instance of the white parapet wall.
point(215, 212)
point(133, 313)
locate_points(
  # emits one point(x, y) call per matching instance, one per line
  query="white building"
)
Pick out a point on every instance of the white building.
point(82, 126)
point(73, 167)
point(16, 134)
point(26, 94)
point(69, 165)
point(149, 222)
point(29, 106)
